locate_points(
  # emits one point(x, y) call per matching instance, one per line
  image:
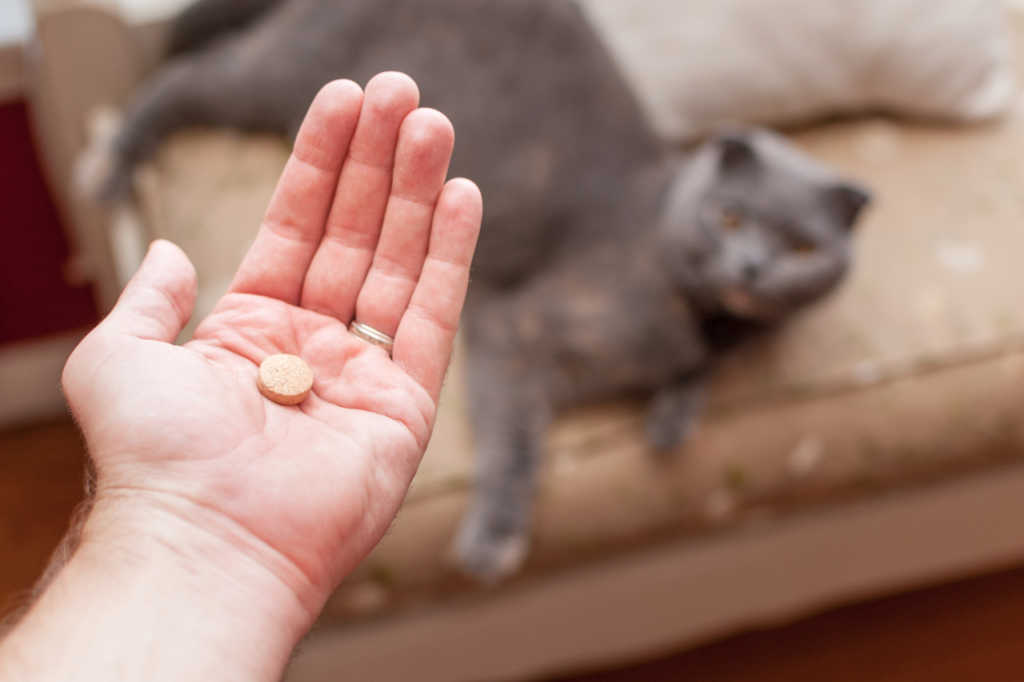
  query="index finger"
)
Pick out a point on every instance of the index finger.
point(276, 264)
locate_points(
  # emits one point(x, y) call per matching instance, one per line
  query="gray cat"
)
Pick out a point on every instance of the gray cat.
point(604, 265)
point(745, 232)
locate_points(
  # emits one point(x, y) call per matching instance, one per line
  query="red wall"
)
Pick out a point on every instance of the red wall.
point(35, 299)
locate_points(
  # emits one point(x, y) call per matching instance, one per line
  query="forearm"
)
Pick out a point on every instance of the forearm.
point(149, 595)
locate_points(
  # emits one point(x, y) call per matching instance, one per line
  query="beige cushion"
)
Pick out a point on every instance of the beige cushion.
point(913, 370)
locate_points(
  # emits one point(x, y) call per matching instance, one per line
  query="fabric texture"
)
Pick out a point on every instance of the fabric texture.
point(697, 63)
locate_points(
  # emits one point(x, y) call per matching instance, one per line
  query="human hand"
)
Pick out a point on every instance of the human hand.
point(362, 225)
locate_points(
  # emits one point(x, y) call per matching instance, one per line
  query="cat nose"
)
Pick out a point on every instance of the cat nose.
point(751, 270)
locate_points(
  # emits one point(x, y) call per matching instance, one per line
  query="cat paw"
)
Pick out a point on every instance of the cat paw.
point(672, 416)
point(666, 433)
point(487, 557)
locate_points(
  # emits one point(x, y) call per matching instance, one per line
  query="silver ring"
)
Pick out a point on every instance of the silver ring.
point(371, 335)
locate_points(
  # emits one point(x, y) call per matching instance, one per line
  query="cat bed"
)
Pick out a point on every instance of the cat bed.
point(913, 370)
point(785, 62)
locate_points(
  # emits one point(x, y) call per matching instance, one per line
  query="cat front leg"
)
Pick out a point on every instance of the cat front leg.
point(673, 413)
point(492, 541)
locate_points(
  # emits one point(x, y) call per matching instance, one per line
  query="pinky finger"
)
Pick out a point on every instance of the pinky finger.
point(426, 333)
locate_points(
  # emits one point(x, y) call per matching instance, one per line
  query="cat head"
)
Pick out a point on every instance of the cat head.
point(755, 228)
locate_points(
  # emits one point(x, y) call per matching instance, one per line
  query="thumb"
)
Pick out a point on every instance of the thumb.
point(158, 301)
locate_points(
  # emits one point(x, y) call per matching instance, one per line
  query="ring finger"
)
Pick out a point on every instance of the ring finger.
point(425, 145)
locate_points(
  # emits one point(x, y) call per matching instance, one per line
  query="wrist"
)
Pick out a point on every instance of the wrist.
point(158, 585)
point(162, 531)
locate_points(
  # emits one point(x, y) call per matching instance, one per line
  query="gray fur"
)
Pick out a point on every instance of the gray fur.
point(604, 266)
point(203, 22)
point(544, 124)
point(747, 228)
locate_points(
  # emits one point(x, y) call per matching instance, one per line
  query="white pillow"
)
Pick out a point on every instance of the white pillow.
point(695, 63)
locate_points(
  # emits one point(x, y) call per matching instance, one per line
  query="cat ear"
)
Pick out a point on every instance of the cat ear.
point(847, 201)
point(736, 155)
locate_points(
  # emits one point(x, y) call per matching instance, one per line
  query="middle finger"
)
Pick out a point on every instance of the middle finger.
point(421, 164)
point(353, 226)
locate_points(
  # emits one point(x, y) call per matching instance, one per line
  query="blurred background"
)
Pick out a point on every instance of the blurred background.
point(851, 507)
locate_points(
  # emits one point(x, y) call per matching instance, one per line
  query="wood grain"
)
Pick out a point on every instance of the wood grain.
point(41, 482)
point(967, 630)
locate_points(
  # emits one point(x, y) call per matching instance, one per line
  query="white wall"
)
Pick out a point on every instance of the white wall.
point(15, 22)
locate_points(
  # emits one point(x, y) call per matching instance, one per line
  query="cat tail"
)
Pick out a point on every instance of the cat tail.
point(173, 99)
point(204, 20)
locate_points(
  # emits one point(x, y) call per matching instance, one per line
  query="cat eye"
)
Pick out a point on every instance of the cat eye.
point(731, 218)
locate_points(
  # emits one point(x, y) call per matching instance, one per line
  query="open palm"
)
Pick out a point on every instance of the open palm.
point(362, 226)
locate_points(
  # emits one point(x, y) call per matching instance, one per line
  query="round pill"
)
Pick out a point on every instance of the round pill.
point(285, 379)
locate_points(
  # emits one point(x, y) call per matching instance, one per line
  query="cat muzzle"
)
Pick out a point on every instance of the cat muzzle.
point(742, 303)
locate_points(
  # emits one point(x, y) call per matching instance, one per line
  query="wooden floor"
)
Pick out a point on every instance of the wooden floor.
point(966, 631)
point(41, 483)
point(970, 630)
